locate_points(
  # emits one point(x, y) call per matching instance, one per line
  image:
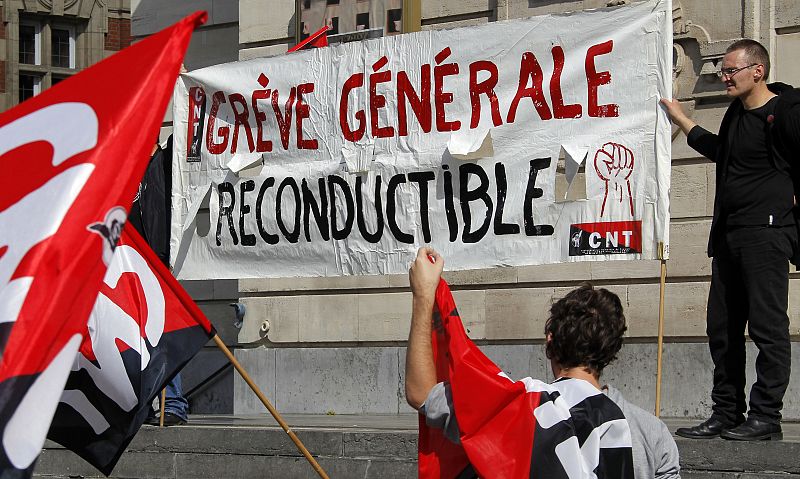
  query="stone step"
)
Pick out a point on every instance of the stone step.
point(380, 447)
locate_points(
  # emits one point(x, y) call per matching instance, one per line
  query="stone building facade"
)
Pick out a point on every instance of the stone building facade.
point(319, 345)
point(45, 41)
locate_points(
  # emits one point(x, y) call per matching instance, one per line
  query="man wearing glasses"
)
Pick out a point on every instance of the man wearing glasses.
point(753, 237)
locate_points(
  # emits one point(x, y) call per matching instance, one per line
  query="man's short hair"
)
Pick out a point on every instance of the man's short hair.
point(586, 328)
point(753, 51)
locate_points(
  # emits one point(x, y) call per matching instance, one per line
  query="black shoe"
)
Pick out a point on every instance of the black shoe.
point(705, 430)
point(754, 430)
point(169, 420)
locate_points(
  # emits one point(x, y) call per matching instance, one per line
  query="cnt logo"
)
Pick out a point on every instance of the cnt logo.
point(611, 237)
point(197, 114)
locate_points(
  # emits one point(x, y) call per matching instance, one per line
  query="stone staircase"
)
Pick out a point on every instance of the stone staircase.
point(379, 447)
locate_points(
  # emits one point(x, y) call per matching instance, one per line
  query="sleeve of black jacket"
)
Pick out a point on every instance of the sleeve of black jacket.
point(704, 142)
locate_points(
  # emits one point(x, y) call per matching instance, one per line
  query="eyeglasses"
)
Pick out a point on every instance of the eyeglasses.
point(729, 72)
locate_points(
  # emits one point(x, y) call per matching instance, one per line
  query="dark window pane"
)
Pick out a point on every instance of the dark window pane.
point(362, 21)
point(27, 44)
point(333, 2)
point(60, 47)
point(306, 4)
point(55, 80)
point(27, 86)
point(304, 33)
point(394, 18)
point(333, 23)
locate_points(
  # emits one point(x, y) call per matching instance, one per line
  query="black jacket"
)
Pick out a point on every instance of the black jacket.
point(150, 213)
point(783, 138)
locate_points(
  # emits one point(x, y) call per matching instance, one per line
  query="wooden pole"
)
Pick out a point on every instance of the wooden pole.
point(161, 405)
point(660, 326)
point(269, 407)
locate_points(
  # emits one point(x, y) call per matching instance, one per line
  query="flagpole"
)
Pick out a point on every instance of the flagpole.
point(161, 406)
point(269, 407)
point(660, 326)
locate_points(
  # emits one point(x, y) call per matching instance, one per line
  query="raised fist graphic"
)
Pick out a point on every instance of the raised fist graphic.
point(614, 165)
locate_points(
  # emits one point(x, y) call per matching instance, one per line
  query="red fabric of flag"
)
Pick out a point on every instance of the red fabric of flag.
point(495, 415)
point(72, 159)
point(318, 39)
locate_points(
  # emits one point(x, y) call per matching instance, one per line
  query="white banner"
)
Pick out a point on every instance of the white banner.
point(343, 160)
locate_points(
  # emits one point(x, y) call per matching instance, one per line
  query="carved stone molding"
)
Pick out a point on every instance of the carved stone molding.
point(696, 57)
point(84, 9)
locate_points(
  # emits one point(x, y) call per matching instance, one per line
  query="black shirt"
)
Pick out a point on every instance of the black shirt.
point(756, 192)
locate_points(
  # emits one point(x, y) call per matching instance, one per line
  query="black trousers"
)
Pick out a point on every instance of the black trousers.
point(750, 287)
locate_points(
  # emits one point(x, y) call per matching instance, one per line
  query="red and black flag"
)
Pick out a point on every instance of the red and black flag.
point(143, 329)
point(516, 429)
point(77, 152)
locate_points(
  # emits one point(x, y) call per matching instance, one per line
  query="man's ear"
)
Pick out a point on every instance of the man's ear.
point(759, 72)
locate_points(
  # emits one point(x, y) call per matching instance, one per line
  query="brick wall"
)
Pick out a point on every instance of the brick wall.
point(119, 34)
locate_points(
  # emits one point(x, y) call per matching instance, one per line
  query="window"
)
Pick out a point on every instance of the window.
point(333, 25)
point(46, 54)
point(333, 2)
point(62, 47)
point(29, 85)
point(394, 19)
point(306, 4)
point(30, 44)
point(362, 21)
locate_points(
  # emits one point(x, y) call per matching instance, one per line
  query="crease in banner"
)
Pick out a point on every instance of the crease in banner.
point(201, 196)
point(574, 156)
point(241, 161)
point(358, 157)
point(473, 146)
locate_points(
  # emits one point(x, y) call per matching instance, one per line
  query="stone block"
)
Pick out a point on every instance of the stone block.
point(439, 10)
point(257, 23)
point(517, 313)
point(212, 46)
point(640, 269)
point(380, 444)
point(267, 51)
point(260, 365)
point(457, 22)
point(521, 360)
point(361, 380)
point(633, 373)
point(316, 283)
point(222, 317)
point(684, 309)
point(270, 440)
point(545, 273)
point(199, 289)
point(688, 249)
point(689, 190)
point(384, 316)
point(472, 309)
point(686, 380)
point(481, 276)
point(784, 58)
point(145, 465)
point(329, 318)
point(215, 397)
point(282, 313)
